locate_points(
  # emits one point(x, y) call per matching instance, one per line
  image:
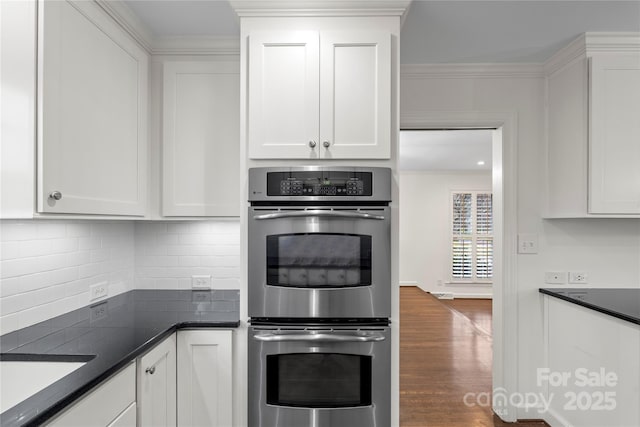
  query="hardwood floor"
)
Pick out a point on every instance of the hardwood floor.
point(445, 356)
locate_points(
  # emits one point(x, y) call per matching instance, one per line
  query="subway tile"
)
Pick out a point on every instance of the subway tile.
point(10, 250)
point(34, 248)
point(190, 239)
point(78, 229)
point(17, 230)
point(51, 229)
point(9, 287)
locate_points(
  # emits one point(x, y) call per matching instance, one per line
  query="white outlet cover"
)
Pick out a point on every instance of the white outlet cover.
point(201, 281)
point(555, 277)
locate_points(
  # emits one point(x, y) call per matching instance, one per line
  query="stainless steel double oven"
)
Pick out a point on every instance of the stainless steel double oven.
point(319, 297)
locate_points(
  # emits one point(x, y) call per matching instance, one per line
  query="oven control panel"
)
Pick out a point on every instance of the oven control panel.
point(319, 183)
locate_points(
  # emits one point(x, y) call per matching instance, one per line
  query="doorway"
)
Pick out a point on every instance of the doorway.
point(504, 322)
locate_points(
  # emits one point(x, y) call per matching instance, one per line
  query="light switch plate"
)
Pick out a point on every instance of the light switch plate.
point(527, 243)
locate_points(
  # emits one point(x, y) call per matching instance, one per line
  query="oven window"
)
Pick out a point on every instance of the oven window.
point(317, 260)
point(319, 380)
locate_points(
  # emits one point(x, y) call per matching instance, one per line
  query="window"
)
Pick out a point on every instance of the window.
point(472, 236)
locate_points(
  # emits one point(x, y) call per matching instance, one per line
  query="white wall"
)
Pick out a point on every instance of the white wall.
point(425, 229)
point(48, 266)
point(607, 250)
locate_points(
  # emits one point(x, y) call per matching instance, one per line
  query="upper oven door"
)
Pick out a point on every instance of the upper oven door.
point(312, 263)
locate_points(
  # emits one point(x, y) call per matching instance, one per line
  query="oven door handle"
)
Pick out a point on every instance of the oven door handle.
point(319, 212)
point(331, 337)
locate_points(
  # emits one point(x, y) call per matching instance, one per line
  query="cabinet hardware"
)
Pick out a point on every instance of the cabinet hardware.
point(312, 144)
point(55, 195)
point(326, 144)
point(150, 370)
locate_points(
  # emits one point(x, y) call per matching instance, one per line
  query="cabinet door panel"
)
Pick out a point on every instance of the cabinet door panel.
point(355, 87)
point(201, 141)
point(103, 404)
point(157, 385)
point(92, 113)
point(614, 137)
point(205, 378)
point(283, 94)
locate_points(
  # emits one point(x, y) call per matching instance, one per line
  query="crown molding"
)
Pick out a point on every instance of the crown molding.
point(275, 8)
point(123, 15)
point(593, 42)
point(463, 71)
point(204, 45)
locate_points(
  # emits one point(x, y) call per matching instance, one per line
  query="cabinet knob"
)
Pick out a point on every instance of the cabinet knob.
point(150, 370)
point(326, 144)
point(55, 195)
point(312, 144)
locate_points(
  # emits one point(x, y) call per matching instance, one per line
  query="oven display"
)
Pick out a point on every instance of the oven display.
point(319, 380)
point(319, 183)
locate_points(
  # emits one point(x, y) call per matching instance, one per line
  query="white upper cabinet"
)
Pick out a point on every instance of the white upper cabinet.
point(92, 113)
point(614, 134)
point(593, 129)
point(319, 94)
point(201, 139)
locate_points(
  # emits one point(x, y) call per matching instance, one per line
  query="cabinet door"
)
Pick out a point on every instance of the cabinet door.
point(157, 385)
point(201, 141)
point(205, 378)
point(104, 404)
point(614, 134)
point(92, 106)
point(355, 100)
point(283, 95)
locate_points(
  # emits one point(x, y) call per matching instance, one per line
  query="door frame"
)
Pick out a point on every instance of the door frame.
point(504, 178)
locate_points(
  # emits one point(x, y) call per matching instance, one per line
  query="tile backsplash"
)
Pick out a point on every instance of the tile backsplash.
point(169, 253)
point(48, 266)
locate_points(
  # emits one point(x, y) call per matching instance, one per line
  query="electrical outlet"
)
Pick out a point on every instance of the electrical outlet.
point(555, 277)
point(201, 282)
point(98, 291)
point(578, 278)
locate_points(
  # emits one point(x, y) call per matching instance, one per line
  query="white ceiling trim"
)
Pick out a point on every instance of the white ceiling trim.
point(128, 20)
point(193, 45)
point(320, 7)
point(463, 71)
point(187, 45)
point(593, 42)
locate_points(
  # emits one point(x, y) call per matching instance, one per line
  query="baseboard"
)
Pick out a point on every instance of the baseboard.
point(408, 283)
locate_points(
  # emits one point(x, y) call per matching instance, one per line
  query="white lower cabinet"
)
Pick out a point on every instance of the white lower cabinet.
point(157, 385)
point(109, 404)
point(205, 378)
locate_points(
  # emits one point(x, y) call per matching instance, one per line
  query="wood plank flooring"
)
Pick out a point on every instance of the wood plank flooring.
point(443, 356)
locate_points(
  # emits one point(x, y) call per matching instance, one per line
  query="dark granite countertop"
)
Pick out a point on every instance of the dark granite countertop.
point(623, 303)
point(111, 333)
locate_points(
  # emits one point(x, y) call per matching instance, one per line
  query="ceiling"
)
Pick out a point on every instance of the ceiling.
point(445, 150)
point(449, 31)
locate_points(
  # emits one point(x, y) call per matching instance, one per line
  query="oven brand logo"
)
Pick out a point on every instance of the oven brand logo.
point(588, 390)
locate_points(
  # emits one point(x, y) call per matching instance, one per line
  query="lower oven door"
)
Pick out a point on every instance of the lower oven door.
point(339, 377)
point(319, 263)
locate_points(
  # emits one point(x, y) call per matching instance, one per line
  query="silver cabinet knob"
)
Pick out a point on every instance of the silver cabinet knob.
point(150, 370)
point(312, 144)
point(55, 195)
point(326, 144)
